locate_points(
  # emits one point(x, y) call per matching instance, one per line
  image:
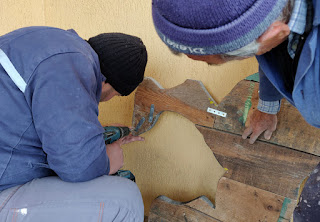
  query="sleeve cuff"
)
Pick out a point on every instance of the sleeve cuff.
point(270, 107)
point(97, 168)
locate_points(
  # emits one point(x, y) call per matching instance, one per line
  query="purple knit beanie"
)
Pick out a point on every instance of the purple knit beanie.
point(207, 27)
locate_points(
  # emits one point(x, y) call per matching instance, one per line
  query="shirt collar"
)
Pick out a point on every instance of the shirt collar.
point(298, 17)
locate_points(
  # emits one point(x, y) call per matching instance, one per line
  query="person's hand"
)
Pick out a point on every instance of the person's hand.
point(130, 138)
point(260, 122)
point(115, 154)
point(273, 36)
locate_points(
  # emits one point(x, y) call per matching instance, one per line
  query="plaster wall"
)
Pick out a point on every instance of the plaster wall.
point(16, 14)
point(174, 161)
point(133, 17)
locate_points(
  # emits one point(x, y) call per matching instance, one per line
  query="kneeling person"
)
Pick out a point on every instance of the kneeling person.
point(51, 83)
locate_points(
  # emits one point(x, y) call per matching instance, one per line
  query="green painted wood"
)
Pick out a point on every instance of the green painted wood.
point(292, 130)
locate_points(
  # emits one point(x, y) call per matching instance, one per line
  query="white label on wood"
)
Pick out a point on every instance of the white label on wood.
point(216, 112)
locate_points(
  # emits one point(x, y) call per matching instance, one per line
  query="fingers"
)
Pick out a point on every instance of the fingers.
point(254, 136)
point(260, 122)
point(131, 138)
point(247, 132)
point(268, 134)
point(116, 124)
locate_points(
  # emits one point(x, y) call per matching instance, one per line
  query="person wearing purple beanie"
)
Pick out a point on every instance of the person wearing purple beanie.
point(284, 36)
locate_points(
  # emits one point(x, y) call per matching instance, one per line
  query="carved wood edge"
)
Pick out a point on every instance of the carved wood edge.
point(235, 202)
point(187, 99)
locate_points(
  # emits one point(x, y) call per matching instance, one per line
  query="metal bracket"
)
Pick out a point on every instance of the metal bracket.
point(216, 112)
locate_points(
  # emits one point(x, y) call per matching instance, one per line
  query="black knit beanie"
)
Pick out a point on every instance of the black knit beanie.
point(123, 60)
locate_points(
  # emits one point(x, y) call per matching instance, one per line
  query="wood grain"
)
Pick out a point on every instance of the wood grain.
point(263, 165)
point(263, 179)
point(164, 209)
point(292, 130)
point(189, 99)
point(238, 202)
point(235, 202)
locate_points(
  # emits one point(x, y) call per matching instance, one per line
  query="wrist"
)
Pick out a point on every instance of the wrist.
point(269, 107)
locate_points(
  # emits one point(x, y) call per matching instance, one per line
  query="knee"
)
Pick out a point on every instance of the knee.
point(125, 194)
point(120, 197)
point(126, 189)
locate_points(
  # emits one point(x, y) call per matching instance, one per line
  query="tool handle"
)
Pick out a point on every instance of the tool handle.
point(114, 133)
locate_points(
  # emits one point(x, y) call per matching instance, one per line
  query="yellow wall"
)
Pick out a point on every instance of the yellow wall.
point(133, 17)
point(174, 161)
point(89, 18)
point(19, 13)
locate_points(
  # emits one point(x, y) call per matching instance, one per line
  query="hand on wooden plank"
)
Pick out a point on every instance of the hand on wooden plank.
point(260, 122)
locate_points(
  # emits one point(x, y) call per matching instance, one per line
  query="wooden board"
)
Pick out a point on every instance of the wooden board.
point(292, 130)
point(164, 209)
point(235, 202)
point(190, 99)
point(263, 165)
point(262, 180)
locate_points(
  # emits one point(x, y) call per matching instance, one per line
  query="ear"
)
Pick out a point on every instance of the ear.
point(274, 36)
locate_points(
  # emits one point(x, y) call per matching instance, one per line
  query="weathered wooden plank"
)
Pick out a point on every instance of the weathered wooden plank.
point(193, 93)
point(166, 210)
point(235, 202)
point(190, 99)
point(238, 202)
point(250, 203)
point(292, 130)
point(277, 169)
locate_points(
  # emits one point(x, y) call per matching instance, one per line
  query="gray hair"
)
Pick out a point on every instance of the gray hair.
point(252, 48)
point(247, 51)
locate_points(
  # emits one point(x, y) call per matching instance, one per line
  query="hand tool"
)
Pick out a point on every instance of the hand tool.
point(114, 133)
